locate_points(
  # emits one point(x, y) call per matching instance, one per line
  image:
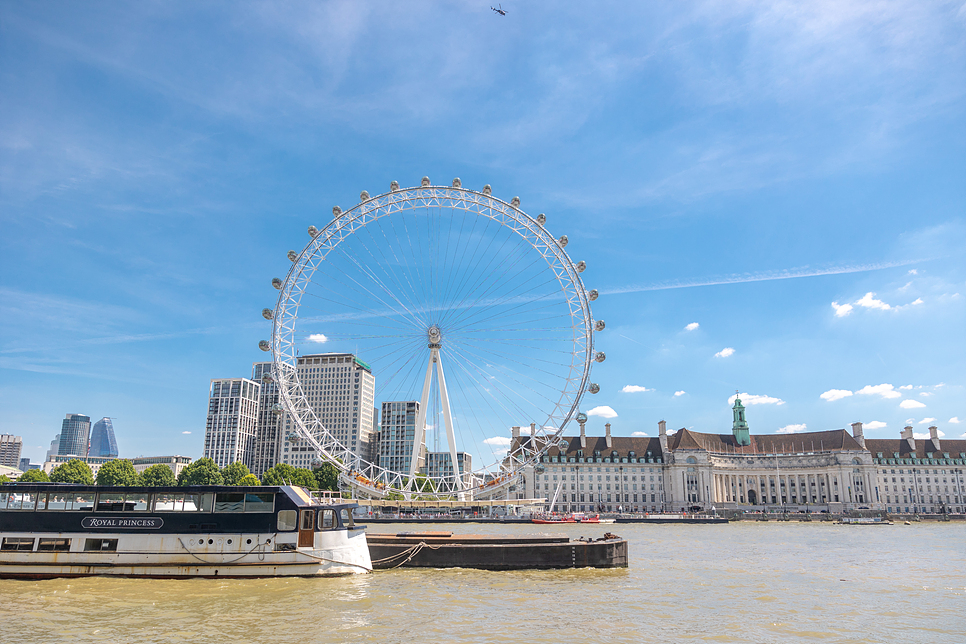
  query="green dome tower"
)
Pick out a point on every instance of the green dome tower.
point(740, 426)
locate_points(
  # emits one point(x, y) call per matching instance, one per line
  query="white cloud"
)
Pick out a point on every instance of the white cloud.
point(318, 337)
point(875, 424)
point(635, 389)
point(925, 435)
point(918, 300)
point(639, 434)
point(868, 301)
point(679, 393)
point(756, 399)
point(955, 420)
point(792, 429)
point(185, 432)
point(906, 387)
point(925, 393)
point(913, 271)
point(910, 421)
point(603, 411)
point(835, 394)
point(498, 441)
point(724, 353)
point(841, 310)
point(911, 404)
point(884, 390)
point(927, 420)
point(692, 326)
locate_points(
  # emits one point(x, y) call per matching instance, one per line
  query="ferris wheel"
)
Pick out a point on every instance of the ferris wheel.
point(470, 318)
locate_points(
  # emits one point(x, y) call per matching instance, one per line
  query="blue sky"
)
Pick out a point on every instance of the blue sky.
point(755, 168)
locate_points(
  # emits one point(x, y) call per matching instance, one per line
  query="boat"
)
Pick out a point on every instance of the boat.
point(60, 530)
point(863, 521)
point(553, 519)
point(495, 552)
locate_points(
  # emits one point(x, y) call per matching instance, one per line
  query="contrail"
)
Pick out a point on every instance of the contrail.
point(766, 276)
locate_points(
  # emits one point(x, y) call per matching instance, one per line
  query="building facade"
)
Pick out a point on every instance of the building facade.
point(103, 442)
point(10, 448)
point(232, 419)
point(54, 446)
point(75, 435)
point(834, 471)
point(440, 464)
point(176, 463)
point(340, 389)
point(397, 431)
point(268, 430)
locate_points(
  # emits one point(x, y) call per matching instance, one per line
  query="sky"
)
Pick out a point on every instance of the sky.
point(769, 196)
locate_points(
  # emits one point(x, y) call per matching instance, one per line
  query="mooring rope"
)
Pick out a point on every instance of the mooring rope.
point(412, 552)
point(261, 557)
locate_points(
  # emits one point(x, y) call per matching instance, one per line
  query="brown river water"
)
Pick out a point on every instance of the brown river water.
point(744, 582)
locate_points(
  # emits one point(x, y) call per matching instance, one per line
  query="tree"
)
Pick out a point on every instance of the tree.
point(204, 471)
point(234, 473)
point(73, 471)
point(118, 472)
point(285, 474)
point(33, 476)
point(4, 479)
point(327, 477)
point(159, 475)
point(249, 479)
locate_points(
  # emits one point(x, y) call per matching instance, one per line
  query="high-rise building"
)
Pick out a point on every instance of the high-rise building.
point(268, 430)
point(10, 447)
point(397, 432)
point(341, 389)
point(232, 418)
point(54, 446)
point(441, 464)
point(74, 435)
point(103, 442)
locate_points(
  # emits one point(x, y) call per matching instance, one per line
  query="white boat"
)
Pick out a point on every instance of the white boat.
point(58, 530)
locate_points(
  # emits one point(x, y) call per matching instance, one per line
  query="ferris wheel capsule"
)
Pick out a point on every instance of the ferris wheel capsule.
point(364, 196)
point(393, 186)
point(600, 356)
point(313, 231)
point(581, 266)
point(277, 283)
point(457, 183)
point(563, 241)
point(515, 202)
point(425, 182)
point(599, 325)
point(594, 388)
point(541, 219)
point(593, 295)
point(336, 212)
point(267, 314)
point(487, 190)
point(267, 378)
point(292, 255)
point(264, 345)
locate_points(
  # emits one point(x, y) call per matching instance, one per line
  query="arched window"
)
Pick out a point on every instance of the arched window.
point(692, 460)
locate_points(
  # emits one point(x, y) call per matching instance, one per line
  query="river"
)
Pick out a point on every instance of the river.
point(741, 582)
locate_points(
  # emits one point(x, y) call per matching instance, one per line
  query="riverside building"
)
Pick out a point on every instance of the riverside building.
point(341, 389)
point(103, 442)
point(232, 419)
point(832, 471)
point(10, 448)
point(268, 432)
point(75, 434)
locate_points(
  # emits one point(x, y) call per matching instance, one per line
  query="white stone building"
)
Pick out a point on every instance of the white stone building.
point(232, 419)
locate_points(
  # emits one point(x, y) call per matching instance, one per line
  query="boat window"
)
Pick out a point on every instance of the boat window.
point(193, 502)
point(260, 502)
point(346, 515)
point(229, 502)
point(82, 501)
point(42, 501)
point(110, 502)
point(58, 501)
point(168, 502)
point(4, 496)
point(286, 520)
point(327, 519)
point(308, 520)
point(137, 501)
point(206, 502)
point(17, 543)
point(56, 545)
point(22, 501)
point(102, 545)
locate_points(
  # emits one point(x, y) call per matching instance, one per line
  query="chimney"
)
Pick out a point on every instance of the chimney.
point(907, 436)
point(857, 434)
point(533, 430)
point(934, 437)
point(583, 433)
point(515, 432)
point(662, 435)
point(607, 439)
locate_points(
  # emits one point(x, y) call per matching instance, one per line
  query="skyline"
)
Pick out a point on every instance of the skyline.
point(787, 178)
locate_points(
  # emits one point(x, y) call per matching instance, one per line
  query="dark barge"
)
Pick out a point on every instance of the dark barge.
point(494, 552)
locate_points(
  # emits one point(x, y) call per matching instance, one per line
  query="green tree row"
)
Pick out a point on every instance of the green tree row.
point(204, 471)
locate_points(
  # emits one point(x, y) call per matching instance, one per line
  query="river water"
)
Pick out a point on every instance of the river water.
point(741, 582)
